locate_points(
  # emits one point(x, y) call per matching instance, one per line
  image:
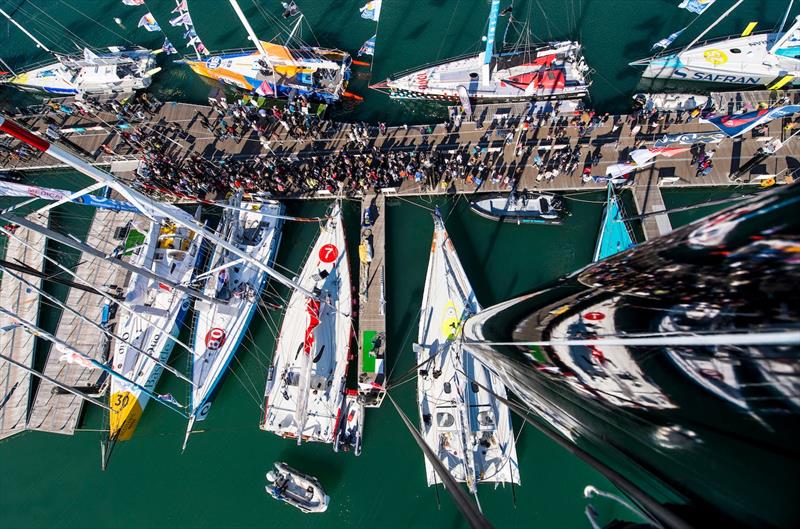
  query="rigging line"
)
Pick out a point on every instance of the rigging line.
point(404, 344)
point(59, 24)
point(96, 22)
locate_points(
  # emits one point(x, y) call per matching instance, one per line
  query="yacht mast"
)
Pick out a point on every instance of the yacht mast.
point(494, 12)
point(786, 16)
point(709, 28)
point(786, 36)
point(28, 33)
point(66, 348)
point(149, 207)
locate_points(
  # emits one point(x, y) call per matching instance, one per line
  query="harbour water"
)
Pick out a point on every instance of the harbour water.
point(53, 481)
point(410, 33)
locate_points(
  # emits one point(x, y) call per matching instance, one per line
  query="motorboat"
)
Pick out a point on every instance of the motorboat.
point(296, 488)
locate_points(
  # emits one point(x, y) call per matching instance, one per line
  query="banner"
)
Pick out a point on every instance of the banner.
point(12, 189)
point(133, 2)
point(371, 10)
point(369, 47)
point(738, 124)
point(149, 23)
point(689, 139)
point(168, 48)
point(696, 6)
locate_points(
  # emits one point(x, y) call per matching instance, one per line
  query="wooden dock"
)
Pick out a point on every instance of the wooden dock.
point(487, 133)
point(648, 199)
point(54, 410)
point(372, 302)
point(15, 296)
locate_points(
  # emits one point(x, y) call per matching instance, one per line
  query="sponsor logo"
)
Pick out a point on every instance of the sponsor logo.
point(716, 78)
point(215, 338)
point(213, 62)
point(328, 253)
point(715, 57)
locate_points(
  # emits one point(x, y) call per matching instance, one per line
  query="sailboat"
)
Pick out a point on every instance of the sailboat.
point(276, 70)
point(220, 328)
point(461, 419)
point(305, 384)
point(118, 71)
point(171, 252)
point(553, 70)
point(761, 59)
point(615, 234)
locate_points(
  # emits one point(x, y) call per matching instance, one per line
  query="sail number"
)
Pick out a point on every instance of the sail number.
point(121, 400)
point(328, 253)
point(215, 338)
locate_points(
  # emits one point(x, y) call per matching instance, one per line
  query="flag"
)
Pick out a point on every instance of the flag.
point(665, 43)
point(368, 48)
point(168, 48)
point(167, 397)
point(371, 10)
point(265, 89)
point(133, 2)
point(149, 23)
point(180, 7)
point(162, 286)
point(290, 9)
point(202, 49)
point(72, 357)
point(184, 19)
point(738, 124)
point(696, 6)
point(190, 33)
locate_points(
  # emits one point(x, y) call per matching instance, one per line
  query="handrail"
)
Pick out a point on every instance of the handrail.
point(401, 73)
point(673, 51)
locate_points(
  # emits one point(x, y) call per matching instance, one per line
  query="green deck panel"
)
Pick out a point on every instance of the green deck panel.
point(367, 360)
point(135, 238)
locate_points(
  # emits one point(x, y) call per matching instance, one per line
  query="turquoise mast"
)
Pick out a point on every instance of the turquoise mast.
point(494, 13)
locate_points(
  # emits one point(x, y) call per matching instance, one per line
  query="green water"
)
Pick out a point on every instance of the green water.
point(410, 33)
point(55, 481)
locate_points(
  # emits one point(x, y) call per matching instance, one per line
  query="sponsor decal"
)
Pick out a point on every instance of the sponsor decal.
point(689, 139)
point(215, 338)
point(715, 57)
point(213, 62)
point(328, 253)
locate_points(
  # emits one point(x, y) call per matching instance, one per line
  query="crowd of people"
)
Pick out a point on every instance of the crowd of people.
point(347, 159)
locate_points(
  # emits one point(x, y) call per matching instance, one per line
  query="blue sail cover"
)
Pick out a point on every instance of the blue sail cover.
point(614, 234)
point(494, 12)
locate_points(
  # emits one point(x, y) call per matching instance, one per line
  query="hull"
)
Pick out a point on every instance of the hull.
point(305, 384)
point(750, 65)
point(466, 426)
point(159, 314)
point(685, 430)
point(523, 209)
point(553, 71)
point(220, 328)
point(322, 76)
point(61, 79)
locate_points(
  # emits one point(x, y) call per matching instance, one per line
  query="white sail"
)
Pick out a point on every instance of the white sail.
point(465, 425)
point(220, 327)
point(170, 252)
point(313, 345)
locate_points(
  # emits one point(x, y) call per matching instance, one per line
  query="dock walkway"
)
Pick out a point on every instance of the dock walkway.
point(57, 411)
point(372, 302)
point(26, 248)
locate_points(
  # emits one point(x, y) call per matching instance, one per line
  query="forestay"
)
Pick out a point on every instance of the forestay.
point(305, 384)
point(220, 327)
point(465, 425)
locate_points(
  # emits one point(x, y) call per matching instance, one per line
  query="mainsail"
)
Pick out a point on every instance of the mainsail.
point(466, 426)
